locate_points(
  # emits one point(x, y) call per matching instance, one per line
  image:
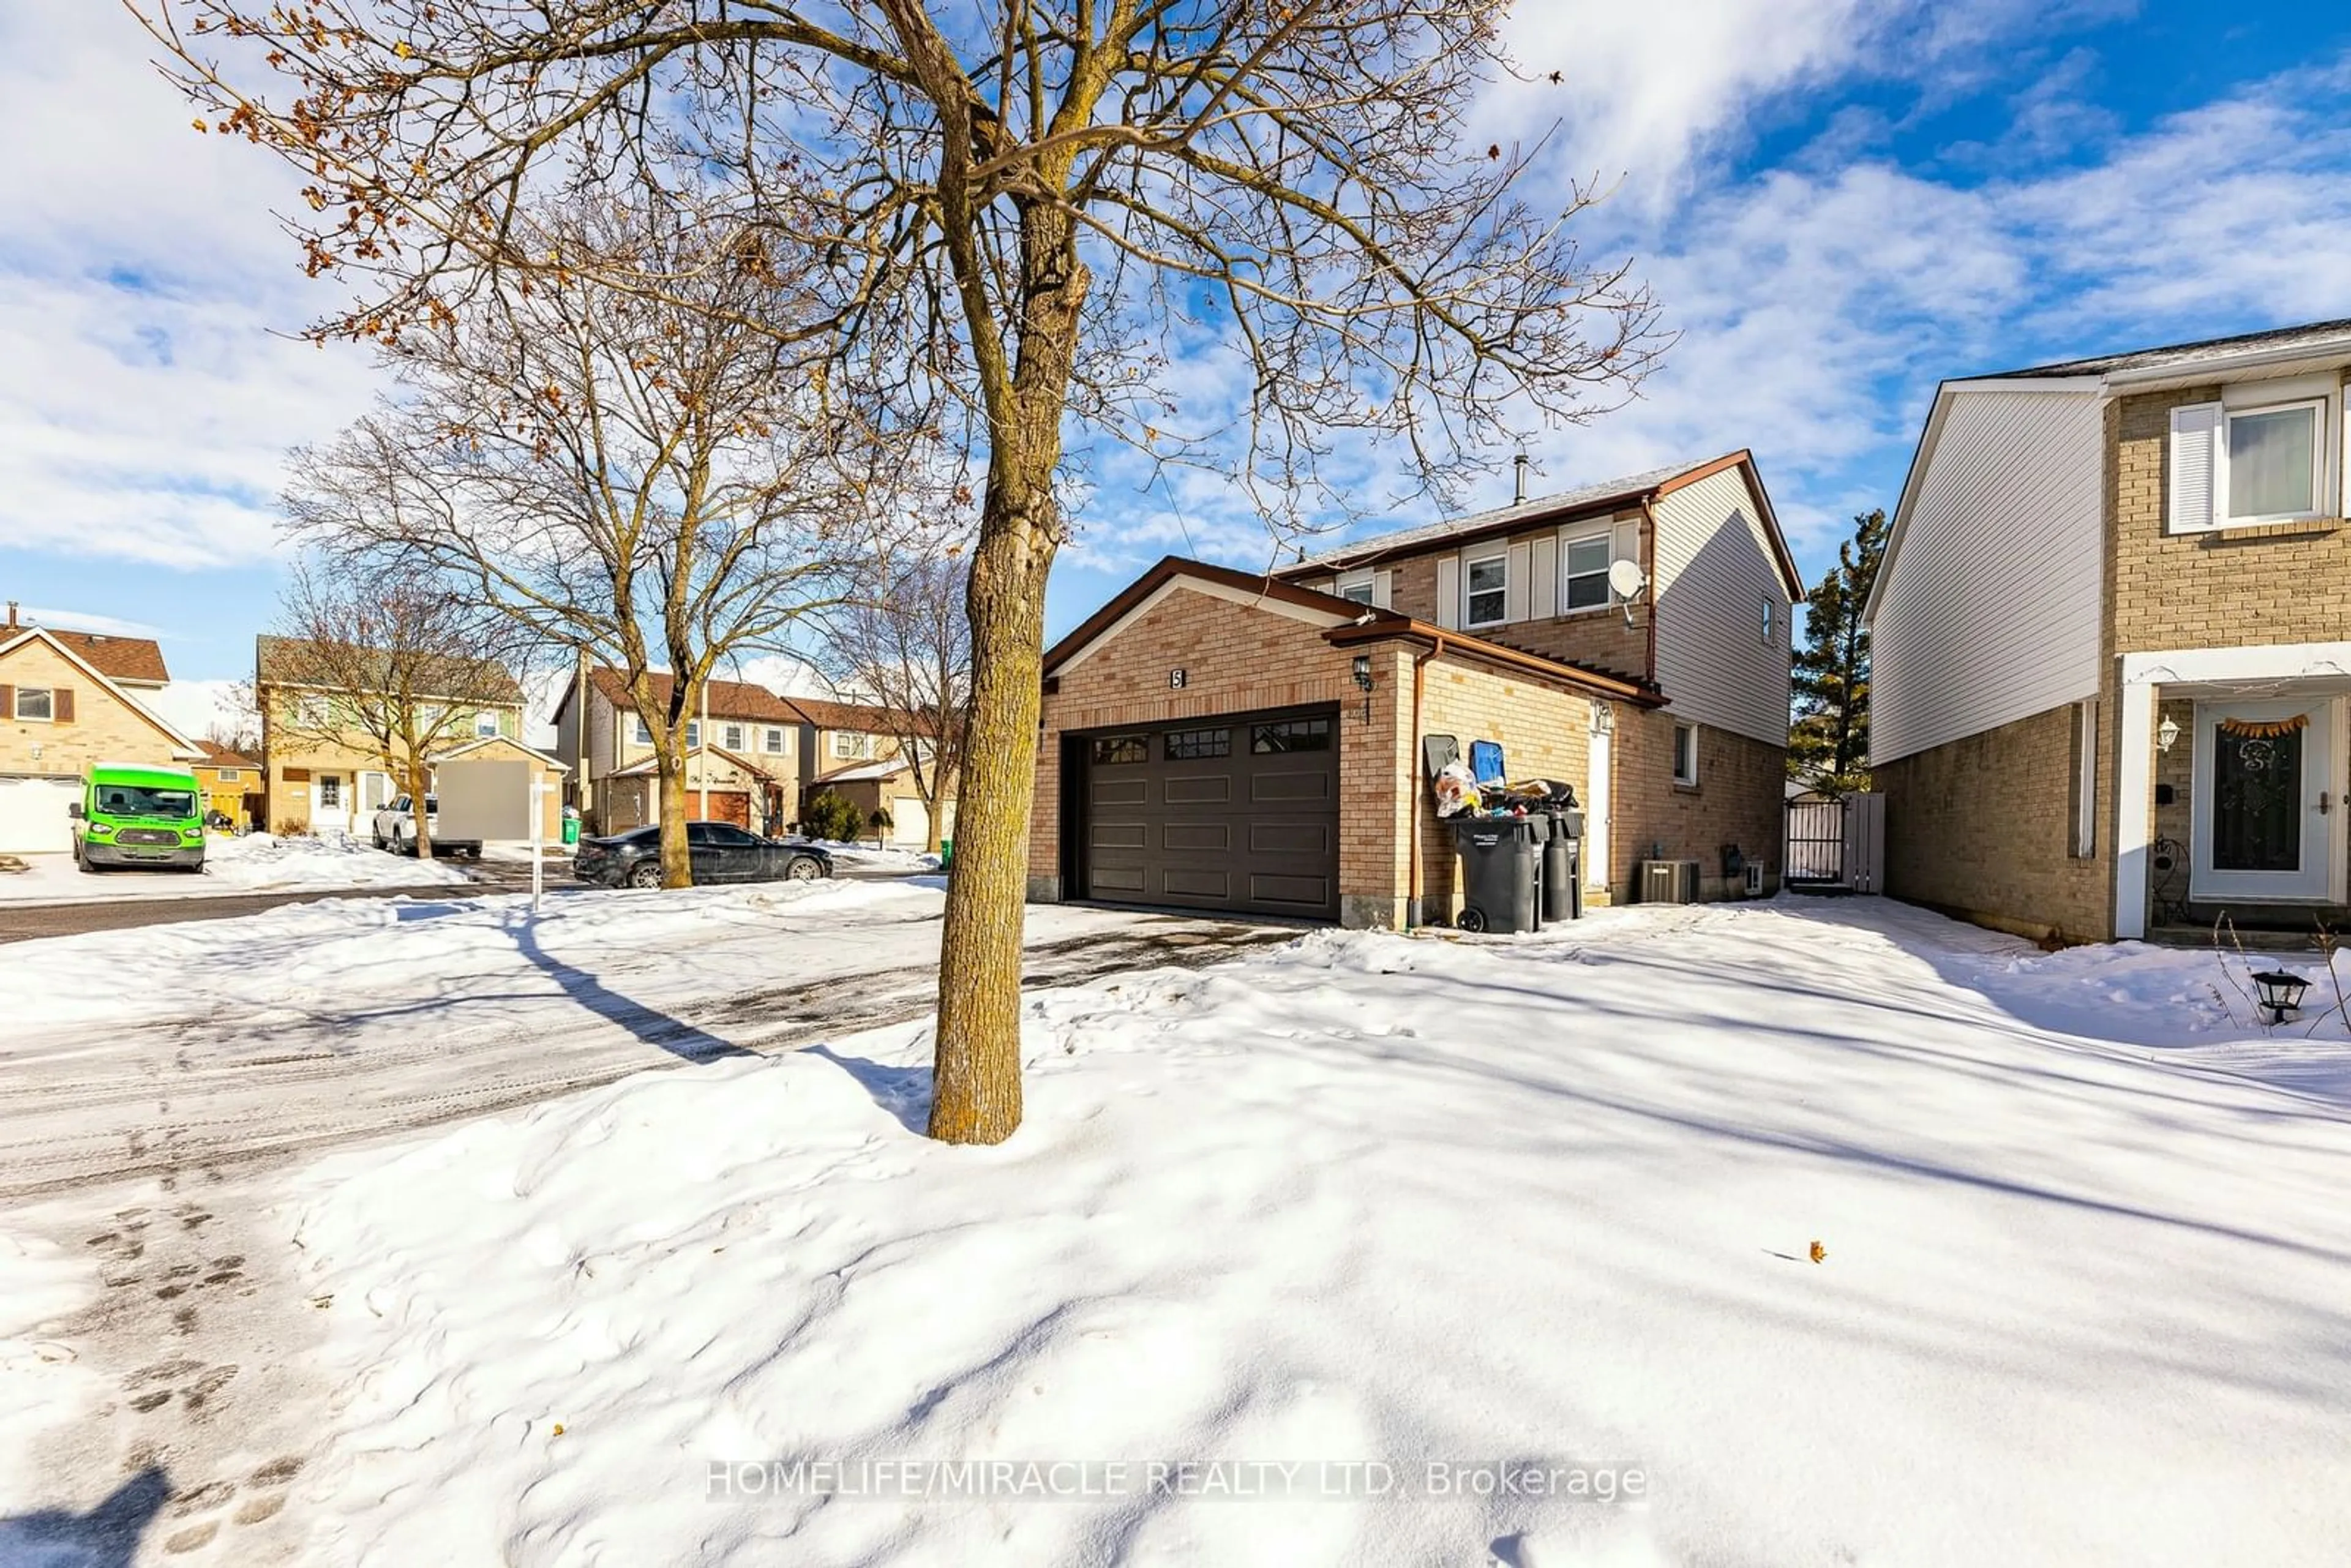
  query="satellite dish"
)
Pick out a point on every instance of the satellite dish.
point(1627, 581)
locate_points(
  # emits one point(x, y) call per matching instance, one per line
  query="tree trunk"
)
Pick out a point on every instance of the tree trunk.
point(678, 864)
point(934, 801)
point(975, 1091)
point(419, 792)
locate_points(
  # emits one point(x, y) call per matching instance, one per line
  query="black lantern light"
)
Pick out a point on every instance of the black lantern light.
point(1363, 679)
point(2281, 992)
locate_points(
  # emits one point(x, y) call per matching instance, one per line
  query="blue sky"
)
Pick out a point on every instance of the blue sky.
point(1836, 203)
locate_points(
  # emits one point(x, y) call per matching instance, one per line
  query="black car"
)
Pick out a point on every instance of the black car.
point(721, 852)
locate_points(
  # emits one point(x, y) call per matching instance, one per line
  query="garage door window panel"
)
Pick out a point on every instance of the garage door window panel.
point(1291, 735)
point(1191, 745)
point(1116, 750)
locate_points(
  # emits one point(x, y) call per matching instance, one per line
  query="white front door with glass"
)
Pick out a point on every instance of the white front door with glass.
point(2268, 802)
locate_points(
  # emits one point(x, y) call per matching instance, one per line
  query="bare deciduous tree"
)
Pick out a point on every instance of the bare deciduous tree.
point(377, 654)
point(1018, 201)
point(645, 479)
point(904, 643)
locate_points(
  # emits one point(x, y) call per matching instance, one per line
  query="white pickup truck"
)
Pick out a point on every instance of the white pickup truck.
point(395, 829)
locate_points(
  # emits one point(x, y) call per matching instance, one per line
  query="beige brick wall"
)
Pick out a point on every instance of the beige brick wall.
point(1544, 733)
point(101, 730)
point(1982, 829)
point(2290, 583)
point(1739, 799)
point(1239, 659)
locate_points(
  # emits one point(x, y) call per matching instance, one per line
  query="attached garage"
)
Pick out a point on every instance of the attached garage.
point(33, 819)
point(1232, 811)
point(1213, 740)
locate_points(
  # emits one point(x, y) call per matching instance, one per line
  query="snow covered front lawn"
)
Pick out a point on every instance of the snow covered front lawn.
point(257, 863)
point(1515, 1207)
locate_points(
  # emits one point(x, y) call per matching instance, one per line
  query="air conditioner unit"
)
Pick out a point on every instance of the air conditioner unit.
point(1669, 882)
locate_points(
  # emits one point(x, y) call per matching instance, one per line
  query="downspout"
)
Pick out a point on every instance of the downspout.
point(1419, 690)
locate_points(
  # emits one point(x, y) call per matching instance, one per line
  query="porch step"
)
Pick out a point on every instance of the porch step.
point(2253, 938)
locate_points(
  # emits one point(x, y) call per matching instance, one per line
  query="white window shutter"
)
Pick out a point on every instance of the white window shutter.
point(1543, 578)
point(2199, 467)
point(1384, 590)
point(1449, 590)
point(1514, 585)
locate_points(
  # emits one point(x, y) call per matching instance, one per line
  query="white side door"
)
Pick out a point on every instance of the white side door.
point(2269, 802)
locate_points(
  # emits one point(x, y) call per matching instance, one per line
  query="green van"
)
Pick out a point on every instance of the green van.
point(135, 816)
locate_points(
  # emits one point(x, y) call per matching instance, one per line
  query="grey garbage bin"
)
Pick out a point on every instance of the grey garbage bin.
point(1563, 865)
point(1498, 860)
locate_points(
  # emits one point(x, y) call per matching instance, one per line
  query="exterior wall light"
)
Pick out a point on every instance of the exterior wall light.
point(2166, 734)
point(1363, 679)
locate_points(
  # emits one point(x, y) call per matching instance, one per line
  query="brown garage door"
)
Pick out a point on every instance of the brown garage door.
point(1239, 812)
point(726, 806)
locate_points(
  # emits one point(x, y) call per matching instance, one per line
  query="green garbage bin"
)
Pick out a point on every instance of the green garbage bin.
point(947, 853)
point(570, 825)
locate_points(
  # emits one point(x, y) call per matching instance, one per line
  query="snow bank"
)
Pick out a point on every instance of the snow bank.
point(1544, 1202)
point(41, 1386)
point(257, 863)
point(889, 858)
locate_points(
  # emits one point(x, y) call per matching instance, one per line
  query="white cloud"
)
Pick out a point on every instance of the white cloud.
point(195, 709)
point(145, 403)
point(85, 621)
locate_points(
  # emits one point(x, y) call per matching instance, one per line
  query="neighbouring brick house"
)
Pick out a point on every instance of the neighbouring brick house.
point(1311, 692)
point(2111, 666)
point(854, 750)
point(741, 764)
point(69, 701)
point(323, 770)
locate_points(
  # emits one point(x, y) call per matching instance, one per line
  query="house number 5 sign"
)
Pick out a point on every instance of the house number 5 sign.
point(1176, 678)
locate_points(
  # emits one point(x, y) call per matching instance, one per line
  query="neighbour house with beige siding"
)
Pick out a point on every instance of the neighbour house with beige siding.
point(323, 770)
point(1303, 700)
point(69, 702)
point(2110, 660)
point(742, 750)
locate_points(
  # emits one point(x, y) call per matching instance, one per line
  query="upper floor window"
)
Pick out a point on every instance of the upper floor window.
point(692, 733)
point(1486, 600)
point(638, 732)
point(1357, 586)
point(2274, 469)
point(734, 738)
point(1584, 566)
point(1770, 618)
point(230, 774)
point(485, 725)
point(38, 703)
point(775, 738)
point(849, 746)
point(2262, 455)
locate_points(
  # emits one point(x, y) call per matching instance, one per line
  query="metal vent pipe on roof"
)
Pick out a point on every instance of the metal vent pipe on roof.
point(1520, 462)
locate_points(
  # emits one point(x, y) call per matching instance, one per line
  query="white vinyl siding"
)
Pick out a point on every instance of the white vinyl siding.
point(1989, 609)
point(1713, 562)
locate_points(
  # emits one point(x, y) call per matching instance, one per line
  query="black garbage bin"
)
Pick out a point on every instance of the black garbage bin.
point(1563, 865)
point(1498, 858)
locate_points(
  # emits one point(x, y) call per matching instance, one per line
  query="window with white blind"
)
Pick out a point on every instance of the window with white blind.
point(2241, 464)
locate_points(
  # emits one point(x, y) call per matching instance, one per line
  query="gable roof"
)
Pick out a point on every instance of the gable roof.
point(510, 743)
point(857, 718)
point(182, 747)
point(861, 772)
point(1342, 622)
point(650, 765)
point(219, 756)
point(728, 699)
point(135, 660)
point(290, 662)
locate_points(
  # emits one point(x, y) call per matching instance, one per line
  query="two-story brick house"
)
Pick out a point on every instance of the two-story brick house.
point(853, 749)
point(323, 769)
point(69, 701)
point(2112, 644)
point(1666, 708)
point(742, 754)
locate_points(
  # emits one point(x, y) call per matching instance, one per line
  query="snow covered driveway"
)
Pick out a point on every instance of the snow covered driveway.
point(1365, 1230)
point(176, 1047)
